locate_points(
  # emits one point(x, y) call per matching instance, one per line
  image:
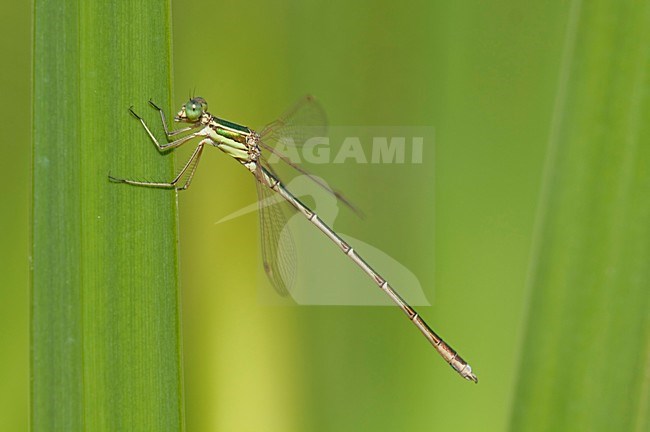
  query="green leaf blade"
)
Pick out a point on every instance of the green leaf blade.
point(106, 327)
point(585, 356)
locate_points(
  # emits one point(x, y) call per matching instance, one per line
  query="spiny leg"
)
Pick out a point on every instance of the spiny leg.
point(193, 160)
point(164, 122)
point(167, 146)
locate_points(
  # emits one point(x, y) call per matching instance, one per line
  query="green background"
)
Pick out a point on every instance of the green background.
point(484, 74)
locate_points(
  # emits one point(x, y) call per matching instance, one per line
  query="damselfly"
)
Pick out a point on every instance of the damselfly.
point(250, 149)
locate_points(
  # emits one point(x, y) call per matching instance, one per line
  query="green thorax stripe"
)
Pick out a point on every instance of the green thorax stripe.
point(234, 126)
point(230, 130)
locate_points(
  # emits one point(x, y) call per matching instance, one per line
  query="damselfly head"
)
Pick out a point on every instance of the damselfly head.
point(192, 111)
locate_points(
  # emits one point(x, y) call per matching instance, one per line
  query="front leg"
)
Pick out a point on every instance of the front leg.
point(167, 146)
point(164, 122)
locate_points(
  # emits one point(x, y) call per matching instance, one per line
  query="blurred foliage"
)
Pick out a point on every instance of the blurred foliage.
point(585, 362)
point(14, 217)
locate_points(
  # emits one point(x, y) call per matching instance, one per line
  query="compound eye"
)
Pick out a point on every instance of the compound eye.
point(193, 109)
